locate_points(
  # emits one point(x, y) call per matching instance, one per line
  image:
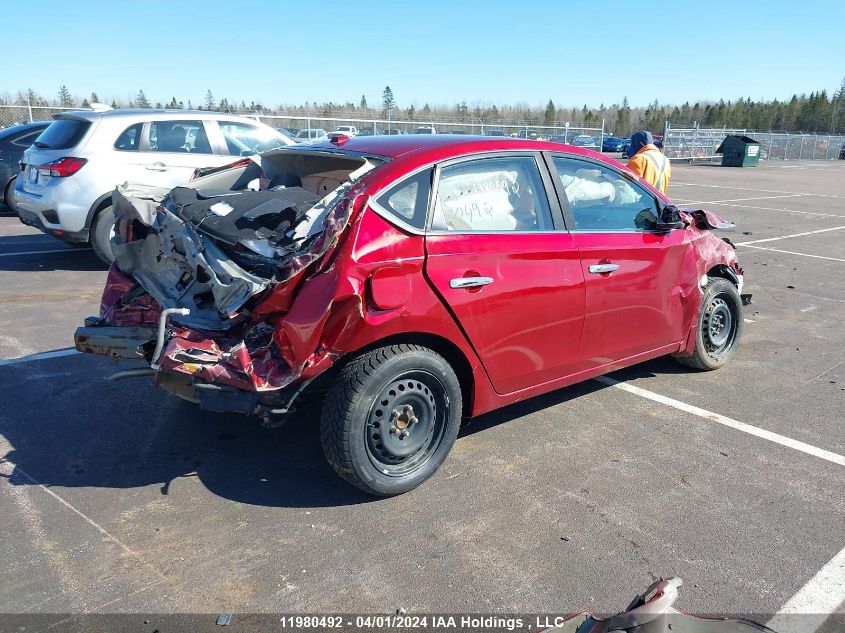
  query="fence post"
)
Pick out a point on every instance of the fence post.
point(601, 138)
point(801, 147)
point(566, 132)
point(29, 107)
point(769, 155)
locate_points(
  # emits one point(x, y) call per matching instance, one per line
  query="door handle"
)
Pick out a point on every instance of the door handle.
point(470, 282)
point(157, 167)
point(603, 269)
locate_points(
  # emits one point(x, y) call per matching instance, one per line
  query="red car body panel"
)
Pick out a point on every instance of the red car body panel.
point(509, 325)
point(512, 340)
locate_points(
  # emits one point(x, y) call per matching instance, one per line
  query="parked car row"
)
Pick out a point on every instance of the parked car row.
point(14, 141)
point(65, 179)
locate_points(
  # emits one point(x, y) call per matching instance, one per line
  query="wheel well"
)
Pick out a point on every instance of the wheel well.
point(6, 188)
point(447, 349)
point(725, 272)
point(99, 204)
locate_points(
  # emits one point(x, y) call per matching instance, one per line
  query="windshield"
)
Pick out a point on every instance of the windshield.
point(243, 139)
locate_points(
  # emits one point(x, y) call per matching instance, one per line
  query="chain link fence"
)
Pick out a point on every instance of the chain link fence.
point(678, 143)
point(562, 131)
point(702, 143)
point(16, 114)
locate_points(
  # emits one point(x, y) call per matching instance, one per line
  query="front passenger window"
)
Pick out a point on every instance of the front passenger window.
point(603, 200)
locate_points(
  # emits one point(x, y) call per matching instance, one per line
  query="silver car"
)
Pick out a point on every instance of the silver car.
point(67, 177)
point(311, 135)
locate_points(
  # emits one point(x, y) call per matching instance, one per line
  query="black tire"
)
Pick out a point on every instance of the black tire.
point(101, 232)
point(719, 326)
point(9, 196)
point(391, 418)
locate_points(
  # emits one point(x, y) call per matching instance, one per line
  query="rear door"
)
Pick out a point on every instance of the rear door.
point(632, 271)
point(498, 257)
point(171, 150)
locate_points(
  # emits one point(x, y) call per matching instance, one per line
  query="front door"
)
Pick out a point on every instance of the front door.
point(632, 271)
point(498, 258)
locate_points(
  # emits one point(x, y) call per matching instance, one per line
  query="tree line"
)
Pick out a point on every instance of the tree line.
point(819, 112)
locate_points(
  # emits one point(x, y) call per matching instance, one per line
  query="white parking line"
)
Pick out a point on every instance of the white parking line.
point(52, 250)
point(808, 609)
point(749, 206)
point(726, 421)
point(43, 355)
point(783, 237)
point(6, 446)
point(777, 250)
point(695, 184)
point(789, 195)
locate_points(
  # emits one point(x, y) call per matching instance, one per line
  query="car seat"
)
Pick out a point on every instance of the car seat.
point(201, 144)
point(170, 138)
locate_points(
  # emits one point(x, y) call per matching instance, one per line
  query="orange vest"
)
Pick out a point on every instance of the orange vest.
point(652, 166)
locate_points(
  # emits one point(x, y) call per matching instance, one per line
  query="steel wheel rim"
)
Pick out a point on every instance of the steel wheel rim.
point(406, 423)
point(718, 326)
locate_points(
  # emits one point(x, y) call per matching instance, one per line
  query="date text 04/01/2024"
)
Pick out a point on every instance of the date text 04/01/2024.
point(417, 622)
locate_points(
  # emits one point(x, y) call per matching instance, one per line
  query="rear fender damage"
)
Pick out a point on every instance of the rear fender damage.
point(250, 348)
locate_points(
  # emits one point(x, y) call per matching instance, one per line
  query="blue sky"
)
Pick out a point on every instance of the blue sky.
point(574, 52)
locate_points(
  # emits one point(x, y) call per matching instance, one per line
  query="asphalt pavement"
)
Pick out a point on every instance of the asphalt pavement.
point(119, 498)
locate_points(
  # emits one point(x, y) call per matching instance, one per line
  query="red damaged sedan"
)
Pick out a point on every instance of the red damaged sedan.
point(414, 280)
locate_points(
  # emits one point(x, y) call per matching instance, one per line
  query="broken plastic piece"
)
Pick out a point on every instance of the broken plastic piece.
point(224, 618)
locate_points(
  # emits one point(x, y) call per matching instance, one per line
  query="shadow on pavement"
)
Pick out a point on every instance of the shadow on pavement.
point(69, 257)
point(69, 427)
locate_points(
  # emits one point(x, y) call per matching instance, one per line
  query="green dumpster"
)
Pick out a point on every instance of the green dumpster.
point(739, 151)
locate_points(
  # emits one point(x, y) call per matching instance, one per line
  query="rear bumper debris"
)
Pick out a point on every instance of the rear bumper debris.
point(115, 342)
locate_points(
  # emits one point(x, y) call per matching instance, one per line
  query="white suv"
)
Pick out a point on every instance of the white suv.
point(346, 130)
point(68, 175)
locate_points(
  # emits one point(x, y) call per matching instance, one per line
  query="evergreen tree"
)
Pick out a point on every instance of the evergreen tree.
point(363, 104)
point(388, 103)
point(142, 100)
point(623, 118)
point(209, 100)
point(65, 99)
point(550, 114)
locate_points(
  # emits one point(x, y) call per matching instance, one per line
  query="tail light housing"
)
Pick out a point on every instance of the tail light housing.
point(62, 167)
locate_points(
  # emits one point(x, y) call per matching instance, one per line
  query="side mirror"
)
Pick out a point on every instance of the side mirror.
point(670, 218)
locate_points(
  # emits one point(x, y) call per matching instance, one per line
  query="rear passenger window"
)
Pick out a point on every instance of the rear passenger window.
point(129, 139)
point(492, 194)
point(27, 139)
point(603, 199)
point(407, 201)
point(179, 136)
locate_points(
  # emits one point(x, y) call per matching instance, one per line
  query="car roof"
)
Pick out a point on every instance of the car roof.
point(23, 127)
point(439, 146)
point(150, 114)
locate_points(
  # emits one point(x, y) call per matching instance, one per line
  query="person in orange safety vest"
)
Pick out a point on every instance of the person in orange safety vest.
point(648, 161)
